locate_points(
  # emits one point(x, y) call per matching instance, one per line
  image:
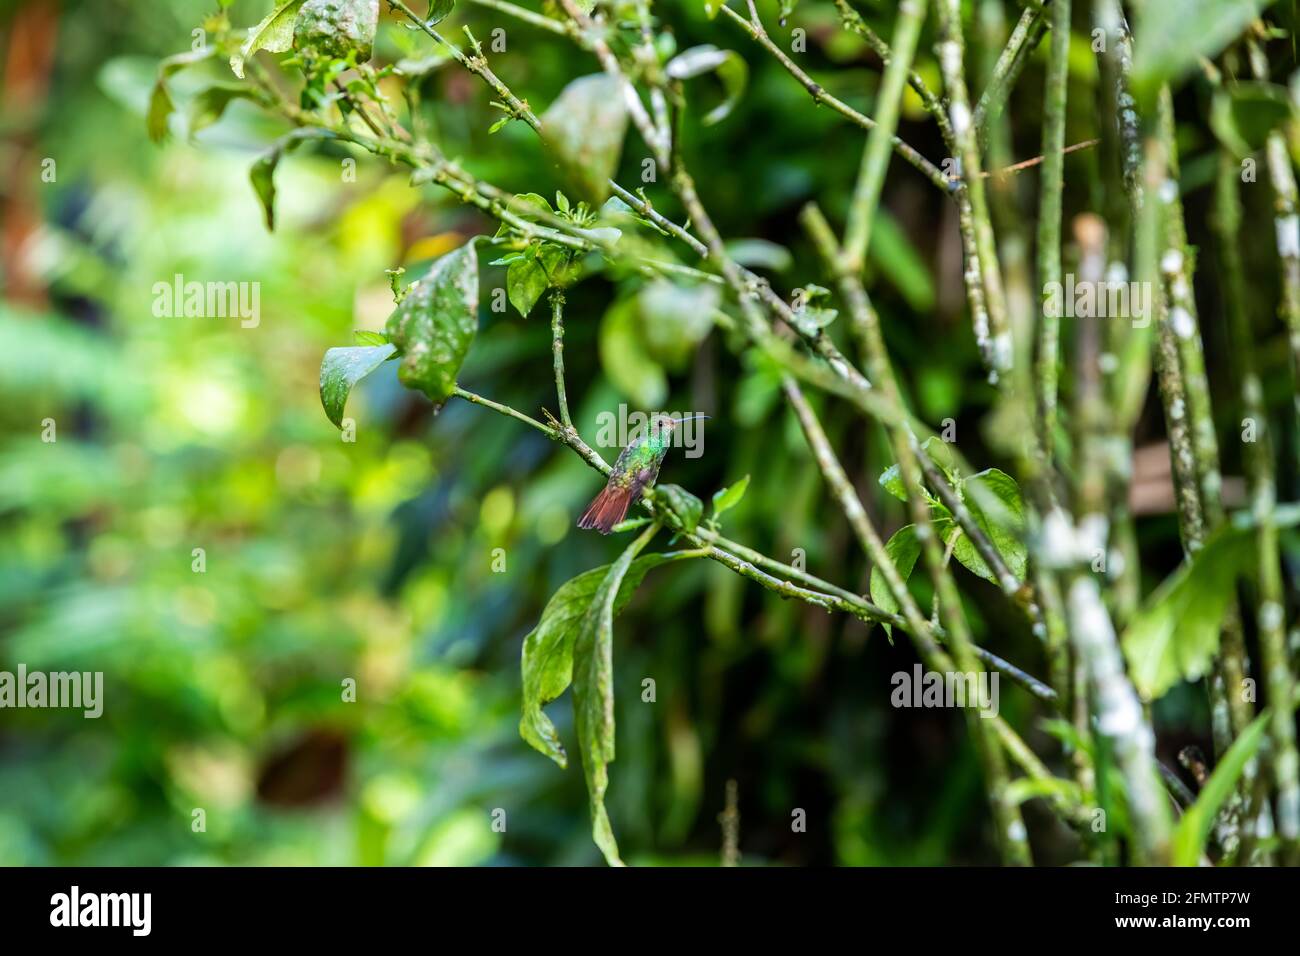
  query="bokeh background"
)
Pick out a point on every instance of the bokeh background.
point(371, 560)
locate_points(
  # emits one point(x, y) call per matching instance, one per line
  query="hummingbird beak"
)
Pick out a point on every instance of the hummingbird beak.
point(686, 418)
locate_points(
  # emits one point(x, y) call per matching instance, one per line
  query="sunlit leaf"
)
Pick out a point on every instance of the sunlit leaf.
point(274, 34)
point(342, 369)
point(724, 499)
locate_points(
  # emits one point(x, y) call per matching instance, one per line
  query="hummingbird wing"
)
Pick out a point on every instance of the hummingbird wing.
point(610, 506)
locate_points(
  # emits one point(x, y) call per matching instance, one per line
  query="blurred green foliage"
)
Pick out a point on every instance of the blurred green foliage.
point(328, 560)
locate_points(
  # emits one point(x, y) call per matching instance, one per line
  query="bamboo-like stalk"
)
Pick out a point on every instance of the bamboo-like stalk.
point(875, 158)
point(951, 60)
point(1049, 216)
point(1026, 36)
point(1272, 639)
point(1257, 456)
point(1012, 836)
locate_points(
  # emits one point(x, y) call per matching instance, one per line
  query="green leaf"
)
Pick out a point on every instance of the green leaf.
point(810, 320)
point(274, 34)
point(625, 360)
point(593, 692)
point(160, 100)
point(891, 479)
point(342, 369)
point(675, 319)
point(368, 337)
point(436, 322)
point(547, 660)
point(903, 549)
point(760, 254)
point(727, 498)
point(262, 173)
point(527, 279)
point(335, 28)
point(584, 129)
point(439, 10)
point(1194, 828)
point(685, 506)
point(1243, 115)
point(210, 103)
point(729, 66)
point(892, 252)
point(993, 499)
point(1176, 633)
point(1170, 37)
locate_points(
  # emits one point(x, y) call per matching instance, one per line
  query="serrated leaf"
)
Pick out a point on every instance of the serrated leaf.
point(623, 356)
point(993, 499)
point(685, 506)
point(1193, 829)
point(584, 130)
point(903, 548)
point(593, 692)
point(731, 69)
point(342, 368)
point(274, 34)
point(436, 322)
point(724, 499)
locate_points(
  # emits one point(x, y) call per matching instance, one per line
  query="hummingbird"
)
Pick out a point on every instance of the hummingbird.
point(637, 467)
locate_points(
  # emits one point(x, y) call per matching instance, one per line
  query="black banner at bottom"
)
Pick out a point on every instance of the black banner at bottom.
point(333, 906)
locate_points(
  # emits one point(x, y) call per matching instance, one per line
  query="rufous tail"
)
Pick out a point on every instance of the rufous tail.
point(606, 509)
